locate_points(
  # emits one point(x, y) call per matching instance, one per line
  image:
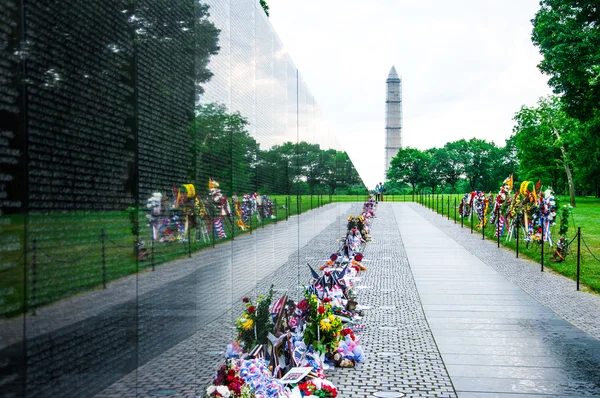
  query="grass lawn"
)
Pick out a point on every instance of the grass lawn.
point(586, 215)
point(68, 253)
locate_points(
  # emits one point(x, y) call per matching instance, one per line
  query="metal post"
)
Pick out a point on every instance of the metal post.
point(189, 231)
point(498, 226)
point(455, 210)
point(275, 205)
point(483, 227)
point(232, 221)
point(518, 227)
point(102, 237)
point(311, 205)
point(152, 250)
point(542, 270)
point(34, 276)
point(287, 207)
point(448, 208)
point(471, 216)
point(442, 205)
point(212, 228)
point(578, 254)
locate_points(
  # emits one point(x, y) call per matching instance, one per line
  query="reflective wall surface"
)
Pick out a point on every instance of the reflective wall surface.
point(119, 262)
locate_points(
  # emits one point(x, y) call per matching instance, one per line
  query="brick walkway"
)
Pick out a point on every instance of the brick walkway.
point(552, 290)
point(401, 354)
point(499, 323)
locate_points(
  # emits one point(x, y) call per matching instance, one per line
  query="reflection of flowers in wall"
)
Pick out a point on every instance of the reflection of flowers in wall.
point(255, 323)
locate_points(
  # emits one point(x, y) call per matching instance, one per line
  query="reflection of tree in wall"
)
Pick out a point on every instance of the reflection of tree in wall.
point(222, 149)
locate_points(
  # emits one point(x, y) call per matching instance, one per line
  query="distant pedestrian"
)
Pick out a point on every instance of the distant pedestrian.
point(381, 191)
point(377, 192)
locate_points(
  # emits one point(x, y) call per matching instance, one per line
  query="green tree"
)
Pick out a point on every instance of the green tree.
point(222, 149)
point(544, 135)
point(433, 177)
point(408, 166)
point(567, 33)
point(479, 158)
point(265, 6)
point(451, 165)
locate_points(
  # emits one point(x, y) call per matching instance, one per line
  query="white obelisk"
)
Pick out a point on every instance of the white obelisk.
point(393, 117)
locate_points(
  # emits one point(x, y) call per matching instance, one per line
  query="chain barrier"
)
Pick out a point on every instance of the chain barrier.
point(589, 250)
point(63, 261)
point(7, 267)
point(115, 243)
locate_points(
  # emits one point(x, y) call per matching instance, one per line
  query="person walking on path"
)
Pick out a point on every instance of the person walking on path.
point(381, 191)
point(377, 192)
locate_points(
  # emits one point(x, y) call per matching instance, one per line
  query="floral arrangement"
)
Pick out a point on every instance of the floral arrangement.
point(565, 212)
point(323, 327)
point(255, 323)
point(317, 388)
point(257, 375)
point(228, 383)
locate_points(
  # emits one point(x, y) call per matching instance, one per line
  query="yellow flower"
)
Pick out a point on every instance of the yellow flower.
point(331, 318)
point(325, 325)
point(248, 324)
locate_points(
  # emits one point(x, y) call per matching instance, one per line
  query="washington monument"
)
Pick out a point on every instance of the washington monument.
point(393, 117)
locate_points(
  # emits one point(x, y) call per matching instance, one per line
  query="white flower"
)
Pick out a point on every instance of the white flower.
point(211, 389)
point(224, 391)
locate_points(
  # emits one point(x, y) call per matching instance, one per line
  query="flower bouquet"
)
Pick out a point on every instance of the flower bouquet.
point(228, 383)
point(322, 326)
point(255, 323)
point(317, 388)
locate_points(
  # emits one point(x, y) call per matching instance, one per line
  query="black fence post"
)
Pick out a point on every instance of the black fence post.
point(498, 226)
point(448, 208)
point(275, 205)
point(578, 254)
point(483, 219)
point(212, 227)
point(542, 260)
point(471, 216)
point(442, 205)
point(518, 222)
point(34, 276)
point(455, 210)
point(152, 251)
point(462, 220)
point(189, 233)
point(287, 207)
point(102, 237)
point(311, 204)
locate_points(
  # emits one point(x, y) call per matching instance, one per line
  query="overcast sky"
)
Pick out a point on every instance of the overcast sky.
point(466, 65)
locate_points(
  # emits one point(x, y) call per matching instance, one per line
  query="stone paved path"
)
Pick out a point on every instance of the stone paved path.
point(401, 354)
point(488, 314)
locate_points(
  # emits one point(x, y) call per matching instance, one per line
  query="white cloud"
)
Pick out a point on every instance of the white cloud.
point(467, 66)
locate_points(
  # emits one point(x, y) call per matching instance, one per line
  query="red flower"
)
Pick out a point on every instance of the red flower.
point(326, 300)
point(245, 300)
point(358, 257)
point(303, 305)
point(333, 257)
point(251, 309)
point(321, 309)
